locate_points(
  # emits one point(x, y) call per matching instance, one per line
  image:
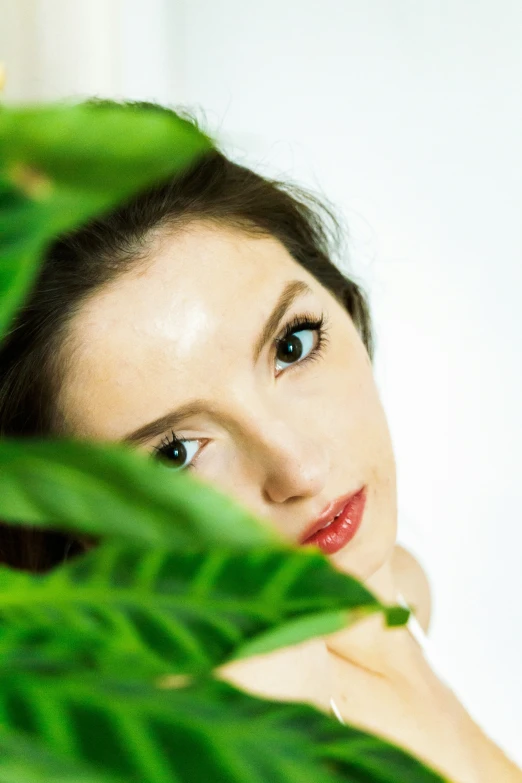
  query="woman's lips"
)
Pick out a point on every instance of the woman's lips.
point(349, 511)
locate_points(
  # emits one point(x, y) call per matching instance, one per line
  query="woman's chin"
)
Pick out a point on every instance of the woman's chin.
point(367, 562)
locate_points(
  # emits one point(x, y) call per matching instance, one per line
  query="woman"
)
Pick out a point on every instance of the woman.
point(205, 323)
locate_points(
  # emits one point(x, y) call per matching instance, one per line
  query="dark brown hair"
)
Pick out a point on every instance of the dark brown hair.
point(79, 263)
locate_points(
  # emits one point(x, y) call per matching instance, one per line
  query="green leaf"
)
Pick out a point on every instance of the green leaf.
point(62, 164)
point(25, 760)
point(396, 615)
point(114, 491)
point(172, 612)
point(295, 631)
point(206, 732)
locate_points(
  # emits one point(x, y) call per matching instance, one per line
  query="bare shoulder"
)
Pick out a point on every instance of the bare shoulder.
point(413, 583)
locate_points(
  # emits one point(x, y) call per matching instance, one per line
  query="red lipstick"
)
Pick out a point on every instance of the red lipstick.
point(337, 524)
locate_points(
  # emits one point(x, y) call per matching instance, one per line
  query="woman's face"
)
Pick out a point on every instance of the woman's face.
point(285, 428)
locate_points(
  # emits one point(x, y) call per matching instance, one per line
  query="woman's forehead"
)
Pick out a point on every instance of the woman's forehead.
point(202, 268)
point(186, 316)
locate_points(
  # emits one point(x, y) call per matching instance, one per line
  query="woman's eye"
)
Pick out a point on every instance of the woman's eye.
point(295, 347)
point(177, 454)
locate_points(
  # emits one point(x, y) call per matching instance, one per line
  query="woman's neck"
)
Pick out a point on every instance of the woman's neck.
point(370, 644)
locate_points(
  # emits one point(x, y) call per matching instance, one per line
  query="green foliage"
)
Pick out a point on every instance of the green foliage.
point(80, 486)
point(184, 579)
point(175, 612)
point(24, 759)
point(62, 164)
point(207, 731)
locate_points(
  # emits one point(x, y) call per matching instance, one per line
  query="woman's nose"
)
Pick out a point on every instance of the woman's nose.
point(295, 465)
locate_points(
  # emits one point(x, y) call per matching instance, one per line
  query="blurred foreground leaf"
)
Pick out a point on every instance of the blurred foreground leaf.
point(112, 490)
point(176, 613)
point(208, 732)
point(63, 164)
point(25, 760)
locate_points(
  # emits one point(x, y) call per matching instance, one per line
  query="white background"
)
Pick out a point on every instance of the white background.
point(407, 115)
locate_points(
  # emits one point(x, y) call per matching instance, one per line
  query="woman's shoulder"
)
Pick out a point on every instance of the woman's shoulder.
point(413, 583)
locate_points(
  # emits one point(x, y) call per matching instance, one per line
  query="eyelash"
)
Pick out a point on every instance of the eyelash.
point(309, 322)
point(299, 323)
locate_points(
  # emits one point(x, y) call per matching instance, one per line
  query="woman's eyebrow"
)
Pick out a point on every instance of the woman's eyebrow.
point(290, 292)
point(166, 422)
point(288, 295)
